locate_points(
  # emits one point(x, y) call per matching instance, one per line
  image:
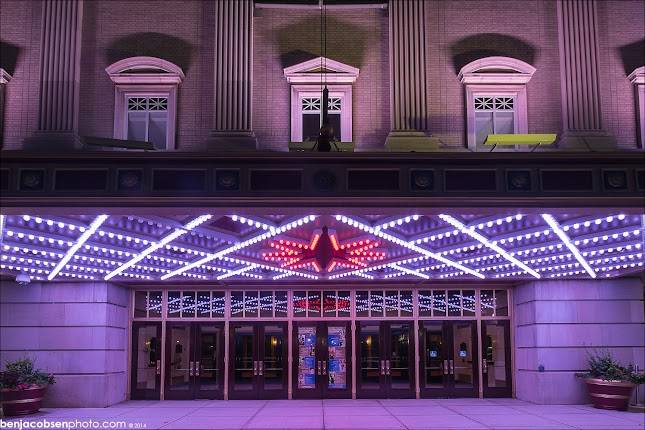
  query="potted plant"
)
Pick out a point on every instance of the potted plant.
point(610, 384)
point(22, 387)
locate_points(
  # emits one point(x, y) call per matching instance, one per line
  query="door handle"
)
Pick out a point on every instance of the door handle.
point(197, 368)
point(260, 367)
point(158, 367)
point(324, 367)
point(319, 367)
point(191, 368)
point(484, 366)
point(382, 367)
point(387, 367)
point(445, 367)
point(452, 367)
point(255, 368)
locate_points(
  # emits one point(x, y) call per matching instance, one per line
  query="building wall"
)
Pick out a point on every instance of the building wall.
point(457, 32)
point(78, 331)
point(557, 323)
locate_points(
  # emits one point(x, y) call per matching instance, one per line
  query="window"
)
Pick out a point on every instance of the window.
point(637, 78)
point(145, 105)
point(379, 303)
point(313, 304)
point(495, 98)
point(306, 114)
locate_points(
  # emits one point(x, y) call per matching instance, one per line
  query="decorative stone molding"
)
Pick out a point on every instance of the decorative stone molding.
point(637, 78)
point(144, 70)
point(319, 70)
point(5, 77)
point(144, 76)
point(496, 70)
point(496, 76)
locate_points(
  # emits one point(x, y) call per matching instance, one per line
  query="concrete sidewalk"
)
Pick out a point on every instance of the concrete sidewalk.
point(350, 415)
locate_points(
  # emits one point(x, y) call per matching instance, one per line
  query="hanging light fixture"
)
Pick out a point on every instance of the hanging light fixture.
point(326, 136)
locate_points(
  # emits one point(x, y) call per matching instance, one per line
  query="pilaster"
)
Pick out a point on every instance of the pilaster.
point(232, 126)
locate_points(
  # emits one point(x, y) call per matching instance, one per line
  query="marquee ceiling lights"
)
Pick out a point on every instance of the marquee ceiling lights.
point(234, 248)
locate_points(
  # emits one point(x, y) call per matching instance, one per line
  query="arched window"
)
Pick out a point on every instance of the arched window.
point(637, 78)
point(145, 104)
point(495, 97)
point(306, 98)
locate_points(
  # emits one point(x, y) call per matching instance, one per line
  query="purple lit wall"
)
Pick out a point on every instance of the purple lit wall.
point(558, 322)
point(78, 331)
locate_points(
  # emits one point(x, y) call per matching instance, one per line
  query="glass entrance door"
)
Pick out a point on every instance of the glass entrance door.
point(385, 352)
point(194, 361)
point(258, 367)
point(496, 360)
point(448, 359)
point(322, 360)
point(146, 361)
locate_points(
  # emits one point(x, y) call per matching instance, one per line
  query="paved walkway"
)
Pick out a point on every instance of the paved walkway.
point(459, 414)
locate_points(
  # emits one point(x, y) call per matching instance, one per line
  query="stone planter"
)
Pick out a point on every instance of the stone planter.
point(609, 394)
point(22, 402)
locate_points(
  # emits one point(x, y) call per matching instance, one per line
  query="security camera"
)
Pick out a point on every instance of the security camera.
point(23, 279)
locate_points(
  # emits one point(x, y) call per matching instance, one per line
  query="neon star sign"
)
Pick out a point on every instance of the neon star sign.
point(323, 253)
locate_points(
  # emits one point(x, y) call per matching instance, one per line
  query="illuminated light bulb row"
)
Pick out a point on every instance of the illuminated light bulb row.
point(499, 221)
point(550, 258)
point(452, 274)
point(34, 238)
point(559, 267)
point(106, 251)
point(135, 275)
point(616, 259)
point(237, 272)
point(570, 273)
point(121, 236)
point(77, 275)
point(410, 271)
point(620, 266)
point(21, 268)
point(264, 266)
point(606, 237)
point(436, 236)
point(597, 221)
point(462, 249)
point(185, 250)
point(523, 236)
point(194, 275)
point(611, 249)
point(59, 224)
point(86, 269)
point(252, 223)
point(498, 267)
point(509, 274)
point(27, 260)
point(543, 248)
point(400, 221)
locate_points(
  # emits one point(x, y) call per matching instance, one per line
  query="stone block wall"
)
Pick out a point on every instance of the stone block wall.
point(557, 323)
point(78, 331)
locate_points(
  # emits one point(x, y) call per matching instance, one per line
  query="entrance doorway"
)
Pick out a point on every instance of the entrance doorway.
point(194, 361)
point(496, 360)
point(258, 363)
point(322, 366)
point(146, 361)
point(448, 359)
point(385, 352)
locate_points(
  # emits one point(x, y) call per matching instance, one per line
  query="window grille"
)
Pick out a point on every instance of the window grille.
point(258, 304)
point(313, 304)
point(493, 115)
point(379, 303)
point(147, 120)
point(451, 303)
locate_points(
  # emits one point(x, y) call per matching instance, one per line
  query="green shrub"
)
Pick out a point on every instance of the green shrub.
point(603, 366)
point(20, 375)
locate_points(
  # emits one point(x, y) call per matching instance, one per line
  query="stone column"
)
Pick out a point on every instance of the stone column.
point(581, 114)
point(233, 76)
point(60, 46)
point(408, 92)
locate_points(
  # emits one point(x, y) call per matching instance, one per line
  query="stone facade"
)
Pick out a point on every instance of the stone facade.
point(78, 331)
point(455, 32)
point(557, 323)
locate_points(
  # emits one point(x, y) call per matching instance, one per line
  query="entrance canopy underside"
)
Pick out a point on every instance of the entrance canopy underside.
point(323, 247)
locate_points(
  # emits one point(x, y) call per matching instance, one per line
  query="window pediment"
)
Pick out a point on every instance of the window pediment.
point(145, 70)
point(496, 70)
point(311, 72)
